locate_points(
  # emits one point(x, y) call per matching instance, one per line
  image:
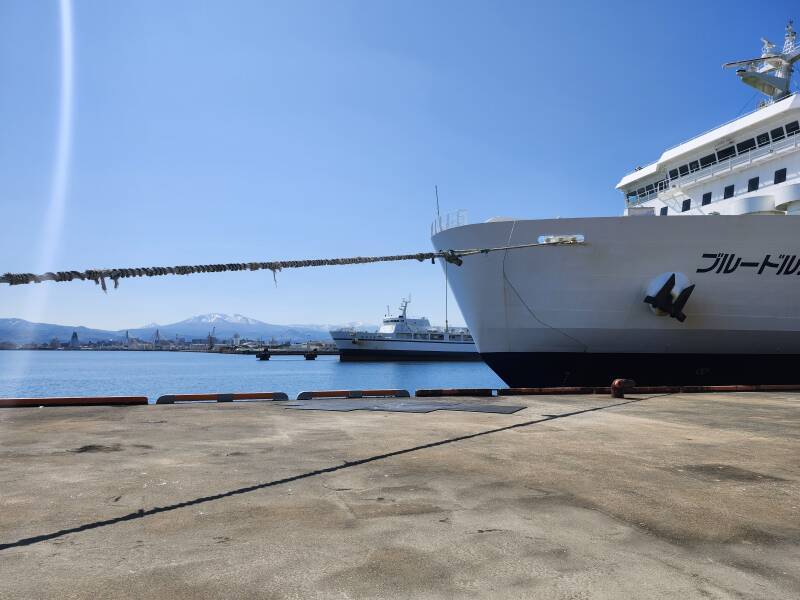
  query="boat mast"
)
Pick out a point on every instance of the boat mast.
point(446, 326)
point(404, 306)
point(439, 217)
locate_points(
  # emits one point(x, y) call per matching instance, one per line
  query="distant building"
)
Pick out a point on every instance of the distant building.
point(237, 340)
point(74, 344)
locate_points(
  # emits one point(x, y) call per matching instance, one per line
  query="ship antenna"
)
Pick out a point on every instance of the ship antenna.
point(438, 214)
point(439, 217)
point(789, 38)
point(771, 73)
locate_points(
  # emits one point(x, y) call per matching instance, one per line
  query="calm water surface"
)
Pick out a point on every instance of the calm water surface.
point(152, 374)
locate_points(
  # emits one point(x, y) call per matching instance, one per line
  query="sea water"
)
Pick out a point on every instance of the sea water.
point(38, 373)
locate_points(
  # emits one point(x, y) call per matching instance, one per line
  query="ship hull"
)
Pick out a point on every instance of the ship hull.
point(575, 315)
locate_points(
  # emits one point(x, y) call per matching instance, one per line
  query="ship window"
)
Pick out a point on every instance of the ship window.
point(728, 191)
point(661, 185)
point(780, 176)
point(687, 204)
point(726, 153)
point(777, 134)
point(683, 169)
point(752, 184)
point(664, 211)
point(673, 174)
point(468, 338)
point(631, 197)
point(640, 192)
point(649, 189)
point(437, 336)
point(708, 160)
point(746, 145)
point(694, 166)
point(762, 139)
point(706, 198)
point(792, 128)
point(405, 336)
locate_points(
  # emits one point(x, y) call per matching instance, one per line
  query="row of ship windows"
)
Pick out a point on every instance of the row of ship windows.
point(743, 147)
point(453, 337)
point(752, 186)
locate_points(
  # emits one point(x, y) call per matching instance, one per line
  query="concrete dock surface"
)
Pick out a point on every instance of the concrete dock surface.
point(672, 496)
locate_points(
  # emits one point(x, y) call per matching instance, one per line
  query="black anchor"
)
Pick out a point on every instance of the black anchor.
point(663, 299)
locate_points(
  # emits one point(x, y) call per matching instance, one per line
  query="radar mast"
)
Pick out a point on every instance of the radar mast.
point(771, 73)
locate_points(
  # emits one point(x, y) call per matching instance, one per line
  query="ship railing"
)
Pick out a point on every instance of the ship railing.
point(448, 221)
point(745, 159)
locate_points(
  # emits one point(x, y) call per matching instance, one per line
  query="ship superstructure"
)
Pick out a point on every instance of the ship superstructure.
point(747, 166)
point(401, 337)
point(710, 297)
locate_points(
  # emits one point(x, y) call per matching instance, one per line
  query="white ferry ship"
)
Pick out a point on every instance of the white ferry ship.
point(699, 282)
point(405, 338)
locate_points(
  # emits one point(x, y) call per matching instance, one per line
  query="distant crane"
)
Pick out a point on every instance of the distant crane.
point(211, 337)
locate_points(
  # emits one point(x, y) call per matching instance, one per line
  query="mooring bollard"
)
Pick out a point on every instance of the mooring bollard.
point(618, 387)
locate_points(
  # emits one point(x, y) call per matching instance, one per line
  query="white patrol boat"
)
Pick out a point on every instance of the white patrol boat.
point(405, 338)
point(699, 282)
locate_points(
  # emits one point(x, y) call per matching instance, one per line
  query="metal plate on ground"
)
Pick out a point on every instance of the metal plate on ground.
point(391, 405)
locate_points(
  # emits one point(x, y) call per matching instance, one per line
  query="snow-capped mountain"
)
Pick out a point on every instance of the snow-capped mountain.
point(225, 326)
point(216, 318)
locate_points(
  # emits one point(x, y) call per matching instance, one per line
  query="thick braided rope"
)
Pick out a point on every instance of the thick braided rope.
point(99, 276)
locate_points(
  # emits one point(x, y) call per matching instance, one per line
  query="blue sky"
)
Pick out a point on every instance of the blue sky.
point(238, 131)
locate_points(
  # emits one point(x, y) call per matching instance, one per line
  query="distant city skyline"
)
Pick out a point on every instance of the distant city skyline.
point(221, 326)
point(147, 133)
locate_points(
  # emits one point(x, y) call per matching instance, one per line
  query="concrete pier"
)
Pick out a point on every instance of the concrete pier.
point(668, 496)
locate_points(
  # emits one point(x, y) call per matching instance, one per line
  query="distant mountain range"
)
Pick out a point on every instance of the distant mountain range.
point(19, 331)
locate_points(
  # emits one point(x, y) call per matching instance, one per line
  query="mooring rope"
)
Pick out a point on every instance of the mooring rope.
point(99, 276)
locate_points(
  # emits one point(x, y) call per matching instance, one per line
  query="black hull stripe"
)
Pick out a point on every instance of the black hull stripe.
point(550, 369)
point(392, 341)
point(368, 355)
